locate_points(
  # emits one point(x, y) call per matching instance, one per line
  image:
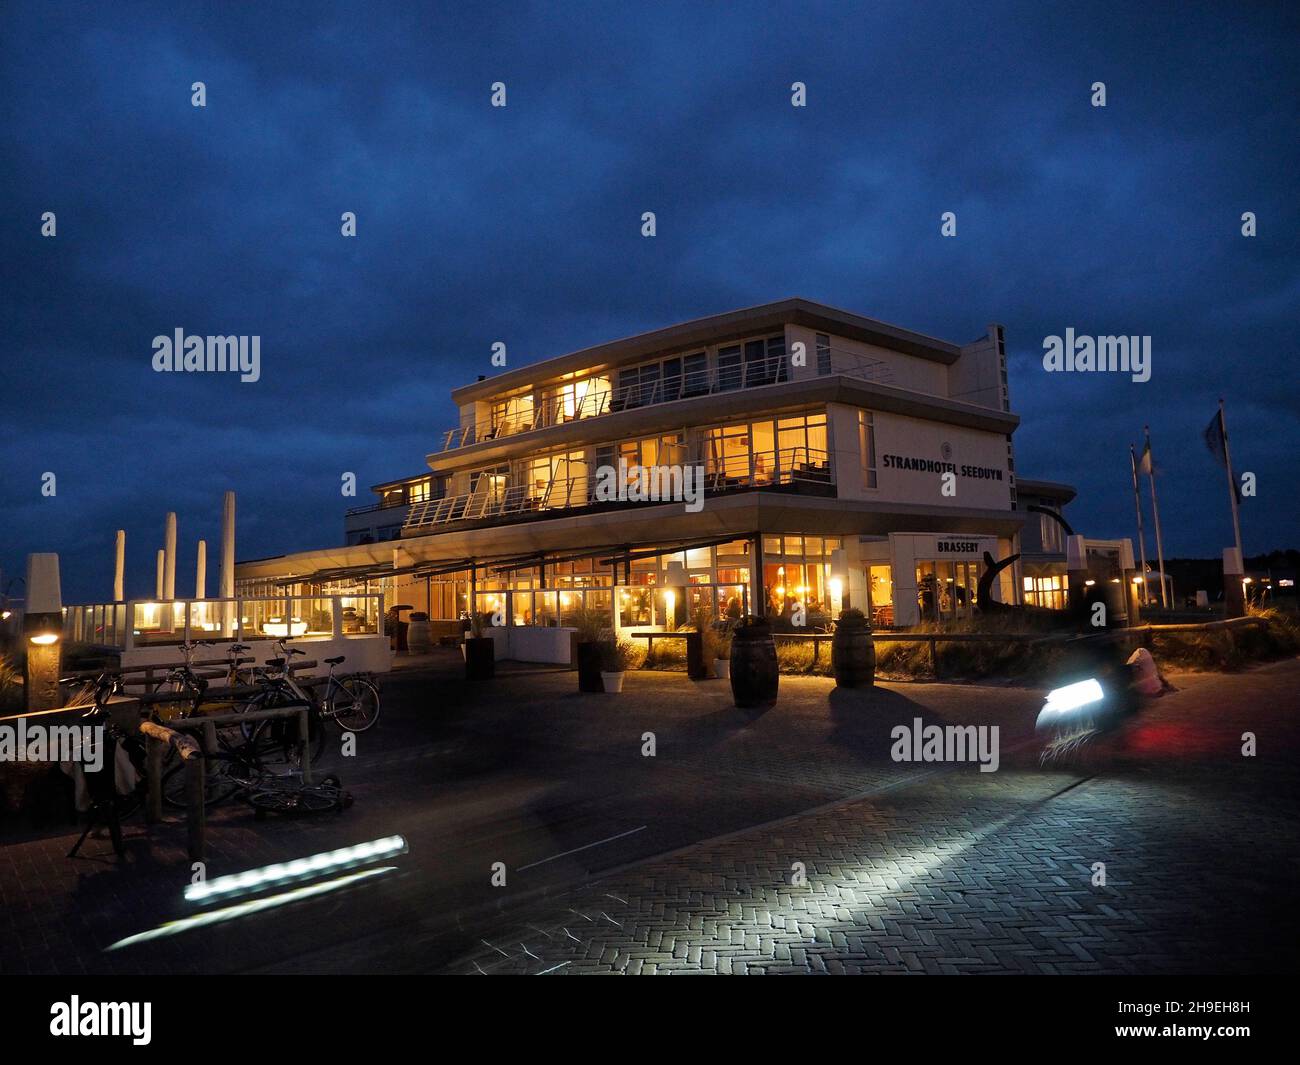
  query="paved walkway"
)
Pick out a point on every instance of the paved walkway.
point(621, 863)
point(968, 872)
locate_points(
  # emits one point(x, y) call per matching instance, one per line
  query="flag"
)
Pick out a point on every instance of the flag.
point(1216, 439)
point(1144, 463)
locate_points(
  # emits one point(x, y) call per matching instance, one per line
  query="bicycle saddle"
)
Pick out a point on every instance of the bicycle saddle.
point(275, 663)
point(335, 661)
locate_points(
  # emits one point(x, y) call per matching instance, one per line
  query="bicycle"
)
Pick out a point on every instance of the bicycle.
point(188, 685)
point(109, 808)
point(240, 770)
point(350, 702)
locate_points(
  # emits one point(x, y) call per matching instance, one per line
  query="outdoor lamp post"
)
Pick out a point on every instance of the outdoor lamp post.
point(43, 629)
point(675, 583)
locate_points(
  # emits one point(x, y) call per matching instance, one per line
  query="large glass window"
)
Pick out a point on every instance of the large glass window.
point(823, 354)
point(1049, 591)
point(1050, 533)
point(801, 441)
point(557, 480)
point(512, 415)
point(695, 370)
point(580, 398)
point(867, 448)
point(946, 590)
point(729, 368)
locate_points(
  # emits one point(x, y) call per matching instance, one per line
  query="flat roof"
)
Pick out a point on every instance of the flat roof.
point(718, 328)
point(1049, 489)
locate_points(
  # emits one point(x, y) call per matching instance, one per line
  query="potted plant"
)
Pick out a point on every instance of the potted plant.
point(721, 648)
point(479, 650)
point(616, 659)
point(853, 651)
point(593, 632)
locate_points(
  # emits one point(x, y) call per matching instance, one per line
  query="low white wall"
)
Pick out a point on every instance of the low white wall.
point(532, 643)
point(369, 654)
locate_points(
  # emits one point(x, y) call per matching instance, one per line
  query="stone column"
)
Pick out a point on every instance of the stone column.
point(1234, 594)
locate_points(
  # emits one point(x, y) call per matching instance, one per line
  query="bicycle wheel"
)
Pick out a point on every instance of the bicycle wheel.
point(219, 783)
point(186, 694)
point(291, 801)
point(276, 739)
point(356, 706)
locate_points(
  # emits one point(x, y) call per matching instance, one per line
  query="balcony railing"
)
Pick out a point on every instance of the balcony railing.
point(372, 507)
point(150, 622)
point(772, 369)
point(794, 466)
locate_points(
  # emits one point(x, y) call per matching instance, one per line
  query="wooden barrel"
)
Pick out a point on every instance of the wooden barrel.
point(853, 653)
point(754, 673)
point(419, 637)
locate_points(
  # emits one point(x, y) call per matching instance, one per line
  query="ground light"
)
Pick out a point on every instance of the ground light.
point(280, 874)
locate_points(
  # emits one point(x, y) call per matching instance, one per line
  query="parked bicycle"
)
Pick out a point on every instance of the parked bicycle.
point(122, 758)
point(188, 686)
point(351, 702)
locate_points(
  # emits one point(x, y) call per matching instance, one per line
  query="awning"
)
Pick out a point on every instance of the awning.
point(610, 555)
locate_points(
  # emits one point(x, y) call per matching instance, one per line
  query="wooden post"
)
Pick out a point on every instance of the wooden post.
point(154, 751)
point(304, 746)
point(196, 813)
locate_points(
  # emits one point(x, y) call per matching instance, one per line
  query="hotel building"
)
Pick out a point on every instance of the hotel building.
point(844, 461)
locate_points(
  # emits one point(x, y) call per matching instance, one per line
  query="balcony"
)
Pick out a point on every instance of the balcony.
point(797, 469)
point(689, 384)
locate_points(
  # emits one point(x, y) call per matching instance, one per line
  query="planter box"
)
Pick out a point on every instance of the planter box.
point(480, 658)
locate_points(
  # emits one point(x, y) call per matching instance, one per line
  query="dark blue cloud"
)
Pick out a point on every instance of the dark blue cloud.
point(480, 224)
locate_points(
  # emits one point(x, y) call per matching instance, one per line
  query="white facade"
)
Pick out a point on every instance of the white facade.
point(823, 439)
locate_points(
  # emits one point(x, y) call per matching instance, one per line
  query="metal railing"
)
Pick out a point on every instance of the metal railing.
point(771, 369)
point(764, 469)
point(153, 622)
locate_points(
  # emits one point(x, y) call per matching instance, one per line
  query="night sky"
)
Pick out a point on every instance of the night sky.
point(478, 224)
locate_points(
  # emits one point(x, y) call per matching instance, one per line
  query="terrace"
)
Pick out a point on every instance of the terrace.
point(572, 486)
point(755, 364)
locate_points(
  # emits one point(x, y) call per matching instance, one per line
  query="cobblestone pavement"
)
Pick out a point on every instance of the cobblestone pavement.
point(968, 872)
point(622, 863)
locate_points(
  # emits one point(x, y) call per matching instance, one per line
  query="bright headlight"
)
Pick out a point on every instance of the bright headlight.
point(1073, 696)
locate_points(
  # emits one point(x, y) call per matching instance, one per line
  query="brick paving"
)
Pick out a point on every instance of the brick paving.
point(948, 871)
point(965, 875)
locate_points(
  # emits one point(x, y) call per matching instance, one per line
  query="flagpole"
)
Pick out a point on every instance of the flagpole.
point(1155, 512)
point(1232, 483)
point(1137, 505)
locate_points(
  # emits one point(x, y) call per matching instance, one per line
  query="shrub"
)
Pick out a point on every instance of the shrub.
point(592, 625)
point(11, 686)
point(797, 657)
point(619, 656)
point(1229, 649)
